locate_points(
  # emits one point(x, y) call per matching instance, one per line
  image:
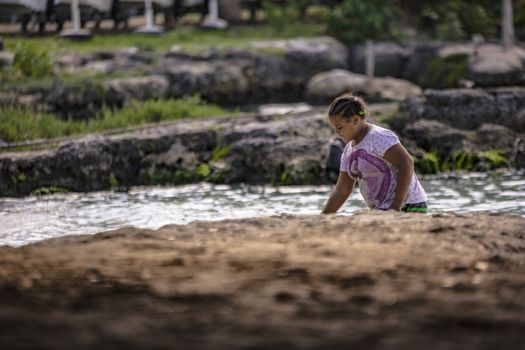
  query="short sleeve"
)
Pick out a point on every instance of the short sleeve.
point(384, 140)
point(345, 156)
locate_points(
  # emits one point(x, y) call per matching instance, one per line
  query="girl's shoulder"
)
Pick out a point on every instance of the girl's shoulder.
point(379, 130)
point(381, 139)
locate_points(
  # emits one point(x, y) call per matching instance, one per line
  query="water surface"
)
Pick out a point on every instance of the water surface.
point(31, 219)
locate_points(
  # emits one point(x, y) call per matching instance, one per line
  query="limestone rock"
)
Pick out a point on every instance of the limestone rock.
point(390, 59)
point(322, 52)
point(142, 88)
point(435, 136)
point(496, 67)
point(495, 136)
point(6, 58)
point(325, 86)
point(469, 108)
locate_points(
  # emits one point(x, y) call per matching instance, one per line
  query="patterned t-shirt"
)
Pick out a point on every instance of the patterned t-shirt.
point(376, 177)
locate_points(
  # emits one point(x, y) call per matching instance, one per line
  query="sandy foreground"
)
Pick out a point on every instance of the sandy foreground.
point(367, 281)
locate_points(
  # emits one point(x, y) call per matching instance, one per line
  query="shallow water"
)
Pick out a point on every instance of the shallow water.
point(31, 219)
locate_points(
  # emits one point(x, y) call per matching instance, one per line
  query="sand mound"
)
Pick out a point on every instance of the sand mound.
point(368, 281)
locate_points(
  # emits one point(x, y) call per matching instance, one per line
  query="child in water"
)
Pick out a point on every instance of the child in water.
point(375, 158)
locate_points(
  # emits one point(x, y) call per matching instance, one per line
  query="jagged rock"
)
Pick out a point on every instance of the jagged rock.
point(7, 99)
point(445, 65)
point(211, 54)
point(325, 86)
point(391, 89)
point(238, 76)
point(434, 136)
point(291, 149)
point(186, 78)
point(469, 108)
point(120, 91)
point(77, 101)
point(84, 165)
point(390, 59)
point(495, 136)
point(178, 156)
point(420, 56)
point(333, 160)
point(494, 66)
point(105, 61)
point(294, 160)
point(318, 54)
point(70, 61)
point(6, 58)
point(230, 85)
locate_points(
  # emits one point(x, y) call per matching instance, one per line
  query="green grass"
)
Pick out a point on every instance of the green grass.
point(20, 124)
point(10, 80)
point(189, 38)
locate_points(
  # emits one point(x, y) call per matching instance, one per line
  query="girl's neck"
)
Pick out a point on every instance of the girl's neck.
point(362, 133)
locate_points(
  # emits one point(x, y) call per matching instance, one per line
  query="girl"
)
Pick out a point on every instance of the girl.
point(375, 158)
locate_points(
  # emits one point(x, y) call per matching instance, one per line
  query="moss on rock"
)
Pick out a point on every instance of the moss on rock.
point(304, 173)
point(432, 163)
point(42, 191)
point(445, 72)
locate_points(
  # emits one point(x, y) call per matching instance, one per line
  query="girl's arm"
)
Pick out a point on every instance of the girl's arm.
point(398, 156)
point(342, 190)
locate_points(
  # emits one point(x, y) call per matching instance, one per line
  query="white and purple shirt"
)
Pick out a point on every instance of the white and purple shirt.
point(376, 177)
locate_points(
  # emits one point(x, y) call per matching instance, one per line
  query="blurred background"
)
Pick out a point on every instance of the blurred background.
point(109, 95)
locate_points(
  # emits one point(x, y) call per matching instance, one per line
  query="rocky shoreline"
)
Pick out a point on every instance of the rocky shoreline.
point(302, 69)
point(292, 149)
point(472, 129)
point(375, 280)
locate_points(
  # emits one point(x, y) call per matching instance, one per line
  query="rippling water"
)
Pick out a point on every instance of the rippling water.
point(32, 219)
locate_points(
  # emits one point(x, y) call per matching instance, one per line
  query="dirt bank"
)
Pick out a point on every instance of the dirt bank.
point(368, 281)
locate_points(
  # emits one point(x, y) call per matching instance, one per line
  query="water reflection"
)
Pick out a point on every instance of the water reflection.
point(32, 219)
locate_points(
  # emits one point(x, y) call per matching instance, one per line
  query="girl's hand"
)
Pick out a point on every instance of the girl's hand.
point(397, 206)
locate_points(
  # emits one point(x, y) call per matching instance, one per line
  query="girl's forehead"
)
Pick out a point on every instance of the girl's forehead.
point(337, 119)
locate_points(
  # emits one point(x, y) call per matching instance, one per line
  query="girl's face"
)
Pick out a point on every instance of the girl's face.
point(346, 128)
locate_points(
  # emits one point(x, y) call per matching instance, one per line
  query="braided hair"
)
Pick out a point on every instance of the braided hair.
point(346, 106)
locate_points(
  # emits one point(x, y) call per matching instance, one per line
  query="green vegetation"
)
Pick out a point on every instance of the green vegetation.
point(427, 164)
point(496, 158)
point(202, 172)
point(445, 72)
point(20, 124)
point(350, 20)
point(431, 163)
point(279, 16)
point(113, 182)
point(355, 21)
point(307, 172)
point(188, 38)
point(42, 191)
point(456, 20)
point(31, 61)
point(220, 152)
point(21, 177)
